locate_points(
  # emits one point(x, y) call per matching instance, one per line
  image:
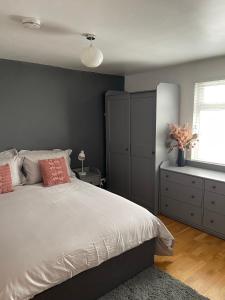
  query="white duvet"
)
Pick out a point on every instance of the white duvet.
point(49, 234)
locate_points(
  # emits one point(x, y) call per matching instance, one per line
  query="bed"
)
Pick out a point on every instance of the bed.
point(73, 241)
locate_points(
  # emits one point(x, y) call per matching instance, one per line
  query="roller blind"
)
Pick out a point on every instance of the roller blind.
point(209, 121)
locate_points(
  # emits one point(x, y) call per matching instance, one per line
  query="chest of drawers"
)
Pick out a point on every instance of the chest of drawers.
point(194, 196)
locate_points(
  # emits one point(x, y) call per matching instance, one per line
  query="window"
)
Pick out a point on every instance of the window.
point(209, 121)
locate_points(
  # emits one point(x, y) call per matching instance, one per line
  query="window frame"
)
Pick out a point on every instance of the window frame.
point(197, 108)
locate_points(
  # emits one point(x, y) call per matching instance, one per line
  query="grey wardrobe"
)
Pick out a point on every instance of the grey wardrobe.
point(136, 132)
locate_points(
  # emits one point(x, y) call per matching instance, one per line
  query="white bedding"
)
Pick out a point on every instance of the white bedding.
point(48, 235)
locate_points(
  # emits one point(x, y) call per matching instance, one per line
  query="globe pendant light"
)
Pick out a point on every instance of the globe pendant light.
point(91, 56)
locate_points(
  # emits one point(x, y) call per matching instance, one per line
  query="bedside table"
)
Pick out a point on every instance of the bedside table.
point(93, 175)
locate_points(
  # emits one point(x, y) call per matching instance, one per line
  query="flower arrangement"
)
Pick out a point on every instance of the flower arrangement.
point(183, 136)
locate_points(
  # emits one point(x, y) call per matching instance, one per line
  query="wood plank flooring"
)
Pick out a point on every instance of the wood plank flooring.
point(198, 261)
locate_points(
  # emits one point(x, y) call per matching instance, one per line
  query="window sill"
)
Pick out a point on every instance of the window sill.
point(205, 165)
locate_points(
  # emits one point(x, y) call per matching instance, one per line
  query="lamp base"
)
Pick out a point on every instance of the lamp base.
point(82, 173)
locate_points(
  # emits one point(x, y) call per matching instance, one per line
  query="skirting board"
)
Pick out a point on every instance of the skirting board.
point(95, 282)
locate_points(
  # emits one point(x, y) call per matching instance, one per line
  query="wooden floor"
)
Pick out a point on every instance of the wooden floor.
point(198, 261)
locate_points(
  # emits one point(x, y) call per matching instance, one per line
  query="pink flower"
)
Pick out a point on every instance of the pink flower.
point(183, 136)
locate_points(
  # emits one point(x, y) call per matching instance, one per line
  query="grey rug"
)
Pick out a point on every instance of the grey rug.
point(153, 284)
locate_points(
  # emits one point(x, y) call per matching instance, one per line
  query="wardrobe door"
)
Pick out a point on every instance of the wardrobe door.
point(143, 115)
point(118, 143)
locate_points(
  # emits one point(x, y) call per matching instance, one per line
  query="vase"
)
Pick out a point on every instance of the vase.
point(180, 158)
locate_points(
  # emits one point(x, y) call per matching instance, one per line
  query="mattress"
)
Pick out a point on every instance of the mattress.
point(50, 234)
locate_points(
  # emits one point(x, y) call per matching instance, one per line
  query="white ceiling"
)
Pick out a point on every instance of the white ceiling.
point(134, 35)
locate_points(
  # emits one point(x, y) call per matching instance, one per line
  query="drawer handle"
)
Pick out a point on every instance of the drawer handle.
point(192, 196)
point(193, 181)
point(166, 189)
point(214, 187)
point(166, 205)
point(167, 176)
point(211, 221)
point(192, 214)
point(212, 202)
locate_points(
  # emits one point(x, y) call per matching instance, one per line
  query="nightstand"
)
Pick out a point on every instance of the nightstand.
point(93, 175)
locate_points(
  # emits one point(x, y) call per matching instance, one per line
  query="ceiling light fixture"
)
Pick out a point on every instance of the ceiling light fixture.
point(91, 56)
point(32, 23)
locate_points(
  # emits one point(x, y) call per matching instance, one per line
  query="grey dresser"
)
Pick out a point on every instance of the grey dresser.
point(194, 196)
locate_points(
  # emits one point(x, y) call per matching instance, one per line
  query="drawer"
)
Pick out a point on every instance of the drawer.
point(215, 186)
point(214, 221)
point(182, 178)
point(214, 202)
point(183, 211)
point(181, 193)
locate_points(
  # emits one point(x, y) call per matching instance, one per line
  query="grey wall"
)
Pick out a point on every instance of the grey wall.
point(184, 75)
point(43, 107)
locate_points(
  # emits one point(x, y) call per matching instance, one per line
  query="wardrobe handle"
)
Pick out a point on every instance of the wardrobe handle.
point(212, 202)
point(153, 152)
point(126, 149)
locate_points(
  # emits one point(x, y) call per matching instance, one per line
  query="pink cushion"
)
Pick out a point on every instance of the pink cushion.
point(5, 179)
point(54, 171)
point(31, 165)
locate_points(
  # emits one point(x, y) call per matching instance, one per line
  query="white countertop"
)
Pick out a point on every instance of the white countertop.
point(188, 170)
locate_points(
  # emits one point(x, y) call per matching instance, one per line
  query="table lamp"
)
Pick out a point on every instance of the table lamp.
point(81, 157)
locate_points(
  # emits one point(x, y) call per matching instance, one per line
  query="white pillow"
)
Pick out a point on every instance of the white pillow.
point(31, 162)
point(15, 163)
point(8, 153)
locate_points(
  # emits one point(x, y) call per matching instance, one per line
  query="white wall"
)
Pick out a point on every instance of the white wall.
point(185, 75)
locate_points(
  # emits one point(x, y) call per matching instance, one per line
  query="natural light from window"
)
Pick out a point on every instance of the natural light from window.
point(209, 121)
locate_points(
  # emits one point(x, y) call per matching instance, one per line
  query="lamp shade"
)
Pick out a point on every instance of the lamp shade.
point(81, 155)
point(91, 57)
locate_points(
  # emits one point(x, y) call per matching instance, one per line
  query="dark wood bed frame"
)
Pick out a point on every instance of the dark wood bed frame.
point(95, 282)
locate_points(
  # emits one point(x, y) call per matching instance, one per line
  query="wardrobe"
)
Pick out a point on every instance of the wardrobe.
point(136, 134)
